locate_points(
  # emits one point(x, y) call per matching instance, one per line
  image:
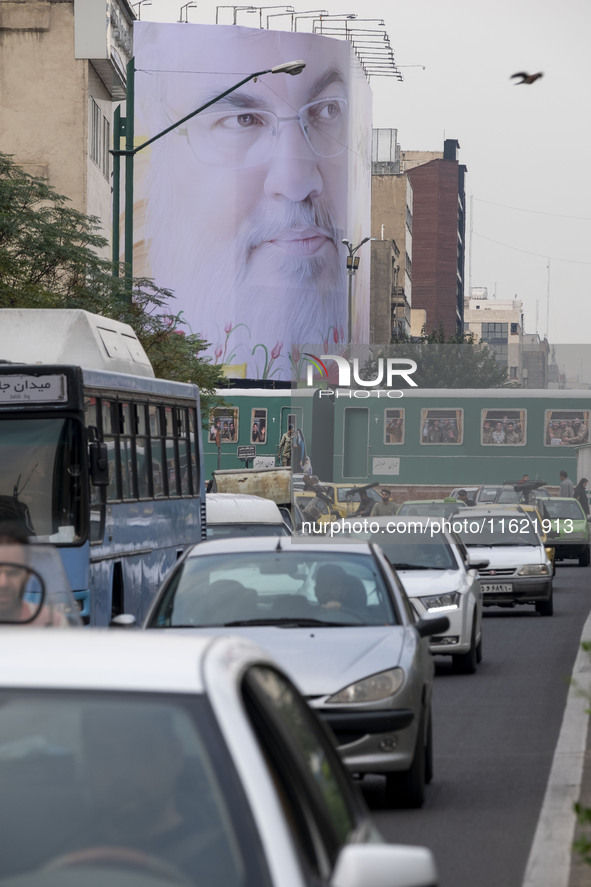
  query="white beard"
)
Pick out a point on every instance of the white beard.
point(241, 292)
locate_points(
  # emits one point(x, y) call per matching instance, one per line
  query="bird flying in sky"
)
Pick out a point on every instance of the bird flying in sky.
point(526, 78)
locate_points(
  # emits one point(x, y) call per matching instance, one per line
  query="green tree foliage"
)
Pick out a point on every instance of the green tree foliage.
point(51, 257)
point(453, 362)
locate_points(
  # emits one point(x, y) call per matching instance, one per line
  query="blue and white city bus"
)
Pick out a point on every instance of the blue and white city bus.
point(97, 456)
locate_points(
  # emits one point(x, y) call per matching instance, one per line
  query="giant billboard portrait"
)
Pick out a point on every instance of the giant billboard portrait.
point(241, 210)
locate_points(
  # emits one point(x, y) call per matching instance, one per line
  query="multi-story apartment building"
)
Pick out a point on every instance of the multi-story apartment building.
point(391, 250)
point(499, 322)
point(439, 227)
point(62, 66)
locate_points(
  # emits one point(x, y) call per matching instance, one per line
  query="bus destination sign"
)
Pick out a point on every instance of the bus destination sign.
point(51, 388)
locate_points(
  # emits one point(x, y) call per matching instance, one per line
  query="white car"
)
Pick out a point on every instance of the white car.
point(519, 570)
point(438, 576)
point(136, 759)
point(338, 621)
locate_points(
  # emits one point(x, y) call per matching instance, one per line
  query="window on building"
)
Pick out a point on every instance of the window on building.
point(494, 333)
point(514, 329)
point(100, 138)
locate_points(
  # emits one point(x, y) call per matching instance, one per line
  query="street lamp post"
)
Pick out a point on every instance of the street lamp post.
point(352, 266)
point(124, 126)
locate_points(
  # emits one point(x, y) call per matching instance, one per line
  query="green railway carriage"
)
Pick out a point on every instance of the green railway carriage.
point(450, 437)
point(247, 433)
point(413, 437)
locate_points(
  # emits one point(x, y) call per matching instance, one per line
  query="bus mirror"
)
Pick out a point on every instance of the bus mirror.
point(99, 463)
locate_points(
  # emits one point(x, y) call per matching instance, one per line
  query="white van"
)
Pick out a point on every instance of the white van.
point(237, 514)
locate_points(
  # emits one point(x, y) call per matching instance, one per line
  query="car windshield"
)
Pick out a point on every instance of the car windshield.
point(41, 485)
point(498, 530)
point(125, 782)
point(507, 496)
point(351, 494)
point(429, 509)
point(488, 494)
point(275, 588)
point(412, 554)
point(564, 510)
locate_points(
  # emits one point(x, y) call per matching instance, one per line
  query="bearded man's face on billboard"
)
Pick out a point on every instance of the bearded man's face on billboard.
point(249, 202)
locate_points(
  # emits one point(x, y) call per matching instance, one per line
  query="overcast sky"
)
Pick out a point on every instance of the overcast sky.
point(526, 148)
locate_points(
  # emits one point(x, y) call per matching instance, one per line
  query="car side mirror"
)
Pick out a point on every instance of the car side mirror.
point(384, 865)
point(477, 565)
point(428, 627)
point(23, 593)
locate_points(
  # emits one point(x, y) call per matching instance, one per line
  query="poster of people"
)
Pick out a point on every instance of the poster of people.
point(242, 209)
point(566, 428)
point(442, 426)
point(504, 427)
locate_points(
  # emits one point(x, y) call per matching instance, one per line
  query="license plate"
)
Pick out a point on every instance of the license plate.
point(497, 588)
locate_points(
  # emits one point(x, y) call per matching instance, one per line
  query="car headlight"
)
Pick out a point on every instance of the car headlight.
point(438, 602)
point(378, 686)
point(534, 570)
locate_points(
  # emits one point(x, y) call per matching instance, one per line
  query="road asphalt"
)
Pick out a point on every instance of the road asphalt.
point(552, 861)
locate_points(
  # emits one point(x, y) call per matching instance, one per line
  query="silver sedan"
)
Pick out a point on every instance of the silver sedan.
point(439, 577)
point(338, 620)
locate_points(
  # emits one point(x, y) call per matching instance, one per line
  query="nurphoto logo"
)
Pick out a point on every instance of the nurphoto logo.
point(387, 370)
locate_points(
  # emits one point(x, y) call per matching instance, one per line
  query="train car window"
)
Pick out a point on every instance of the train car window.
point(393, 426)
point(566, 428)
point(258, 426)
point(503, 428)
point(442, 426)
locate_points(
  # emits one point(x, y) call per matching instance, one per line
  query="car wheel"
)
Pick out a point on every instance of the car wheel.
point(407, 788)
point(545, 608)
point(466, 663)
point(585, 558)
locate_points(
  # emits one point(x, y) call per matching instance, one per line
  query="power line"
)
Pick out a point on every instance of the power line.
point(530, 253)
point(537, 212)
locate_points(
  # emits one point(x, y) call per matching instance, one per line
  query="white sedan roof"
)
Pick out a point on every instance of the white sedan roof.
point(115, 660)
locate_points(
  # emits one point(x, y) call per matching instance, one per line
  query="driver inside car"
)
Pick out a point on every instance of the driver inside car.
point(136, 816)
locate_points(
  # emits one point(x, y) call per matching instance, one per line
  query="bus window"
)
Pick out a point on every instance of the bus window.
point(90, 412)
point(126, 451)
point(171, 456)
point(142, 452)
point(109, 426)
point(195, 435)
point(40, 477)
point(156, 452)
point(184, 451)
